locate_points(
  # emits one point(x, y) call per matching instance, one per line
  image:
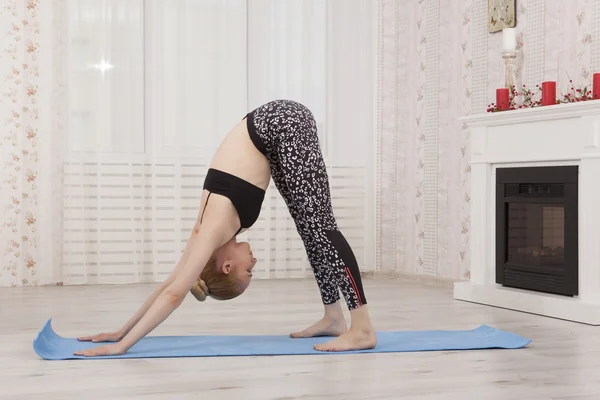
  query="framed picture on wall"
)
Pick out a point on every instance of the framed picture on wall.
point(501, 14)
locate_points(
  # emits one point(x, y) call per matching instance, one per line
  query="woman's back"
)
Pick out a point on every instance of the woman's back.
point(237, 155)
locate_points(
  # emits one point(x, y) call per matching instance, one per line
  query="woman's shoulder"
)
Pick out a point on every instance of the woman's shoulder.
point(218, 217)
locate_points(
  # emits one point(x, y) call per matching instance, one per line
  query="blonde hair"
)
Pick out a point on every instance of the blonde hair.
point(213, 282)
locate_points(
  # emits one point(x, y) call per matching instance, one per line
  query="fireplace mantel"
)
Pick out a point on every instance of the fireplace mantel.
point(565, 134)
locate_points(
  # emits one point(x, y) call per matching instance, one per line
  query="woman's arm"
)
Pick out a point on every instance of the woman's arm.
point(174, 294)
point(212, 234)
point(165, 284)
point(118, 335)
point(143, 309)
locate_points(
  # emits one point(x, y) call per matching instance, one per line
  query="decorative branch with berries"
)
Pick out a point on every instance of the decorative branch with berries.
point(576, 95)
point(527, 95)
point(533, 98)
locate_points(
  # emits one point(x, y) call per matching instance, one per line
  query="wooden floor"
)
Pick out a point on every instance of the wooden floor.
point(563, 361)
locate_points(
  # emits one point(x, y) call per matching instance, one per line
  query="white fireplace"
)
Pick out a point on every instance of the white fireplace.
point(560, 135)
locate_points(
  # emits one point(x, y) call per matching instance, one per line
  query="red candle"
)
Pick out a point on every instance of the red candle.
point(502, 99)
point(548, 93)
point(596, 87)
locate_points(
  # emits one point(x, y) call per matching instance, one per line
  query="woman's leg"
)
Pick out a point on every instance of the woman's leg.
point(333, 322)
point(300, 164)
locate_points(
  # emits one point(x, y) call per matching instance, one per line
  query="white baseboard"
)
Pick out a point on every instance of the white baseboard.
point(554, 306)
point(400, 276)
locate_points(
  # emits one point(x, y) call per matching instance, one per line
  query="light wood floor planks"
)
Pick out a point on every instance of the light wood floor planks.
point(562, 363)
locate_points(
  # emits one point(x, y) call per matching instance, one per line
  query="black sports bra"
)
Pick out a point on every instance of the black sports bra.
point(246, 197)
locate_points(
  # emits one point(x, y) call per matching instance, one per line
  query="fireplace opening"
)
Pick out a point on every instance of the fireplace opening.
point(536, 229)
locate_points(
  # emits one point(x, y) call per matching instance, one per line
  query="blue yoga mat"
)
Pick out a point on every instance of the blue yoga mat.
point(49, 345)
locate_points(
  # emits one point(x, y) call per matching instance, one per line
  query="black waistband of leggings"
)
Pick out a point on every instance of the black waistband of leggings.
point(253, 135)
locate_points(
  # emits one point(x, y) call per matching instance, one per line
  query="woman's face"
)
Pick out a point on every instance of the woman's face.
point(237, 259)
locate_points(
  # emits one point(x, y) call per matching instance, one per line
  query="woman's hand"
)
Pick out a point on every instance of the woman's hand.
point(102, 337)
point(115, 349)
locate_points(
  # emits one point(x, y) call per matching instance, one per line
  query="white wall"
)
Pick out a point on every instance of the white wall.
point(438, 62)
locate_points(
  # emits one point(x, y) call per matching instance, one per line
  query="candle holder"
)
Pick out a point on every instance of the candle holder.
point(509, 68)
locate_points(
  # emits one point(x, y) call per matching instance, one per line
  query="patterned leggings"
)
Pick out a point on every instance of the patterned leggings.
point(286, 132)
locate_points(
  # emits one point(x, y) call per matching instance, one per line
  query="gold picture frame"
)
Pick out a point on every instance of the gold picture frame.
point(501, 14)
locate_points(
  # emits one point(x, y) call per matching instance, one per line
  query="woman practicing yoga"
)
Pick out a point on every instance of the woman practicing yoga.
point(277, 140)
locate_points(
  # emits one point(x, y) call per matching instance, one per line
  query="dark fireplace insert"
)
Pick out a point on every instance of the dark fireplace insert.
point(537, 229)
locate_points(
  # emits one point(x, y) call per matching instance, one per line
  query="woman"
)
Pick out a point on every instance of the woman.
point(277, 140)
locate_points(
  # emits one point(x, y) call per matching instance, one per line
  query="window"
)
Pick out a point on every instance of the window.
point(287, 43)
point(107, 75)
point(165, 78)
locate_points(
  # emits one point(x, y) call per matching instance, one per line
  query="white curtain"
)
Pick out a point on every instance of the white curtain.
point(153, 87)
point(287, 57)
point(163, 82)
point(33, 126)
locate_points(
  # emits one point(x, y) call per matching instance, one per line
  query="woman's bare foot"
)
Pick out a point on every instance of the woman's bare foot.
point(332, 324)
point(325, 327)
point(354, 339)
point(361, 335)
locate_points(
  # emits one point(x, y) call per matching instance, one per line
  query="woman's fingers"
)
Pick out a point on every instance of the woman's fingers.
point(101, 337)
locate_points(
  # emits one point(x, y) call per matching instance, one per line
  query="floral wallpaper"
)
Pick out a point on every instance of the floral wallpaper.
point(31, 113)
point(571, 59)
point(19, 115)
point(403, 34)
point(401, 101)
point(402, 113)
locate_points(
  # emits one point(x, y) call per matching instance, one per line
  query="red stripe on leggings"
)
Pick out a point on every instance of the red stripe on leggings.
point(354, 286)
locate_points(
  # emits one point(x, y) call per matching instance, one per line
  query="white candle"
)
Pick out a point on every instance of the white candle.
point(509, 40)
